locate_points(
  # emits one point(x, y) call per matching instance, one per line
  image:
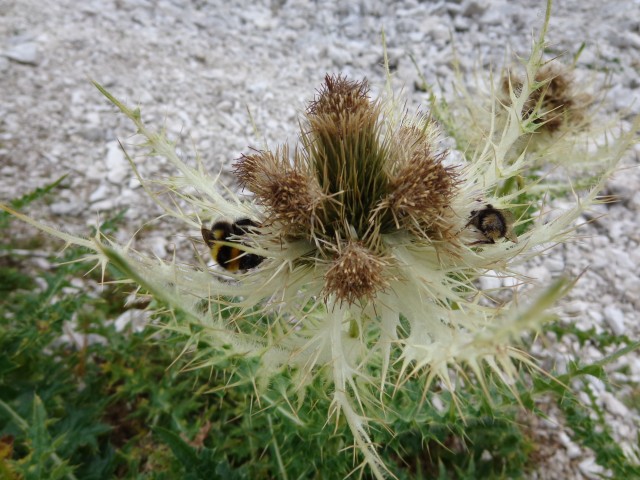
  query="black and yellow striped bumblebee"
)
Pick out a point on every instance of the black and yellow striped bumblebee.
point(232, 258)
point(493, 224)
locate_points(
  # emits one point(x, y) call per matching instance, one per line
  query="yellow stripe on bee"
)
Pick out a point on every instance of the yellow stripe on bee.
point(228, 257)
point(233, 265)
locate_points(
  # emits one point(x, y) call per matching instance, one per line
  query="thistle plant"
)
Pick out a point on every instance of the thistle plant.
point(557, 99)
point(561, 121)
point(370, 246)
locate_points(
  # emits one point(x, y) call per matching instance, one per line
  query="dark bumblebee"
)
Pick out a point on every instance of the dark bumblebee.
point(493, 224)
point(231, 258)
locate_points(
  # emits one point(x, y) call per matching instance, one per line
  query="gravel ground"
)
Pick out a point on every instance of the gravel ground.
point(196, 67)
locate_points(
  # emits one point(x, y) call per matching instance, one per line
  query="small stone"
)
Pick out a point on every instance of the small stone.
point(490, 281)
point(93, 134)
point(66, 208)
point(474, 8)
point(25, 53)
point(137, 319)
point(590, 468)
point(103, 205)
point(510, 282)
point(554, 265)
point(597, 385)
point(634, 366)
point(41, 283)
point(573, 451)
point(540, 275)
point(576, 307)
point(41, 263)
point(454, 9)
point(461, 24)
point(597, 317)
point(339, 55)
point(100, 193)
point(631, 288)
point(258, 86)
point(116, 163)
point(625, 39)
point(264, 22)
point(615, 319)
point(436, 30)
point(615, 406)
point(620, 96)
point(438, 404)
point(158, 246)
point(496, 15)
point(78, 283)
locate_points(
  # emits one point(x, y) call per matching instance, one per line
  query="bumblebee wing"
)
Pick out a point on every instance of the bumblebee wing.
point(244, 225)
point(474, 219)
point(208, 237)
point(509, 220)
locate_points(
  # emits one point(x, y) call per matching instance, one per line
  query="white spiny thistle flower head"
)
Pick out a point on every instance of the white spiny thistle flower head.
point(560, 119)
point(369, 239)
point(557, 102)
point(354, 181)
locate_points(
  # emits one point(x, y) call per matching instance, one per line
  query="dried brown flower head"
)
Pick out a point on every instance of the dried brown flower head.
point(356, 273)
point(290, 196)
point(339, 97)
point(420, 186)
point(555, 101)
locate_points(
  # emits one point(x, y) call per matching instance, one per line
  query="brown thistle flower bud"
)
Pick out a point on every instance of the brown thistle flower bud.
point(290, 196)
point(420, 186)
point(344, 148)
point(339, 97)
point(356, 273)
point(555, 99)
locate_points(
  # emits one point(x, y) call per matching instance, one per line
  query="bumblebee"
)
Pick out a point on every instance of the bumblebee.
point(493, 224)
point(231, 258)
